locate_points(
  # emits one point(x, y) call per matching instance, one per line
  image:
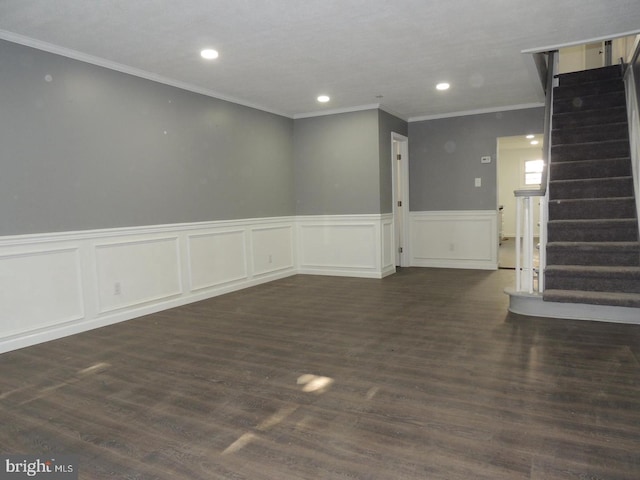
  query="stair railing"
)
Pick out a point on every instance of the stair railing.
point(525, 198)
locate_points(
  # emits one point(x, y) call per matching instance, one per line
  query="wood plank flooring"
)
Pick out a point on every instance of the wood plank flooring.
point(421, 375)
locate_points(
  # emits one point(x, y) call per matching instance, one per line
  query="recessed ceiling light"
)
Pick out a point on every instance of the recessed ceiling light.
point(530, 136)
point(443, 86)
point(209, 53)
point(534, 142)
point(323, 98)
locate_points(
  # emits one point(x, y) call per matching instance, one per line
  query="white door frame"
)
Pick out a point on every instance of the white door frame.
point(400, 192)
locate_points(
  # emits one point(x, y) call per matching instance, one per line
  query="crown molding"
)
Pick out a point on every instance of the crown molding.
point(480, 111)
point(119, 67)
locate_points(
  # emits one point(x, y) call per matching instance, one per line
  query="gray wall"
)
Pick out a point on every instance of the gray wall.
point(387, 124)
point(337, 164)
point(444, 158)
point(84, 147)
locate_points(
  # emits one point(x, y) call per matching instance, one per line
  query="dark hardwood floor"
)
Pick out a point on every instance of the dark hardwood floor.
point(421, 375)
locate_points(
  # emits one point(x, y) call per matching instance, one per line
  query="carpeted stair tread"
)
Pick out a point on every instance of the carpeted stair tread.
point(588, 88)
point(632, 245)
point(587, 117)
point(619, 299)
point(590, 133)
point(586, 230)
point(599, 74)
point(589, 102)
point(592, 208)
point(632, 272)
point(594, 168)
point(603, 187)
point(590, 150)
point(594, 253)
point(596, 278)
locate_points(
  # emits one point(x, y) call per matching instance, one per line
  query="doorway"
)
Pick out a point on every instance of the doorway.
point(517, 157)
point(400, 197)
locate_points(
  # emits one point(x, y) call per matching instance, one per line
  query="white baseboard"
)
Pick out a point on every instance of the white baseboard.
point(532, 304)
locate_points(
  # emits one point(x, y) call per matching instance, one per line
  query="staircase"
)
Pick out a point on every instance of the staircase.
point(593, 252)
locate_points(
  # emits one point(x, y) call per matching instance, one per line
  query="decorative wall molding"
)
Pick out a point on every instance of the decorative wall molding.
point(345, 245)
point(58, 284)
point(40, 288)
point(217, 258)
point(135, 272)
point(454, 239)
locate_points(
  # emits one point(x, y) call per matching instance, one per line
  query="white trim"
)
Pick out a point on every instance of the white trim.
point(221, 233)
point(34, 238)
point(136, 72)
point(479, 111)
point(106, 246)
point(532, 304)
point(405, 233)
point(580, 42)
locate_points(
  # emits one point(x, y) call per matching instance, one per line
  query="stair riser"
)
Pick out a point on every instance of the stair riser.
point(566, 297)
point(595, 133)
point(587, 102)
point(556, 233)
point(601, 188)
point(592, 284)
point(591, 88)
point(590, 151)
point(573, 257)
point(590, 169)
point(592, 75)
point(583, 119)
point(569, 210)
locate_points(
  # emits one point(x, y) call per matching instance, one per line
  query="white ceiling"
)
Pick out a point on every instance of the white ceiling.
point(278, 55)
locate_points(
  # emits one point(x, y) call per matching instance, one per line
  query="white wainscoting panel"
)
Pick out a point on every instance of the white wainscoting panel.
point(39, 288)
point(58, 284)
point(348, 245)
point(454, 239)
point(134, 272)
point(217, 258)
point(272, 249)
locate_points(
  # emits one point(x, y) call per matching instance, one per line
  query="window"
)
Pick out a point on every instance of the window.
point(533, 172)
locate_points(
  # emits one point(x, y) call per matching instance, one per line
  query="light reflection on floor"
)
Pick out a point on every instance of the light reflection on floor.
point(309, 383)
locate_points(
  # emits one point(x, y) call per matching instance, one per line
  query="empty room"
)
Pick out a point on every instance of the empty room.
point(261, 240)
